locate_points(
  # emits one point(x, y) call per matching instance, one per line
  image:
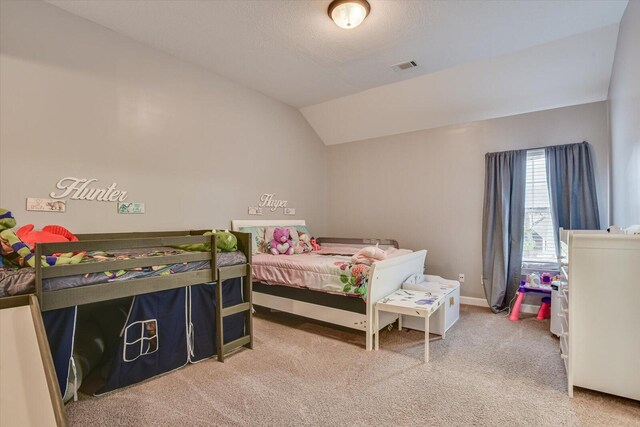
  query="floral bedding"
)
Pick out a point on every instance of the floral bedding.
point(327, 273)
point(22, 281)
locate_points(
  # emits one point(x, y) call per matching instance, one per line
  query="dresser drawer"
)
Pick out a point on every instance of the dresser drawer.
point(564, 351)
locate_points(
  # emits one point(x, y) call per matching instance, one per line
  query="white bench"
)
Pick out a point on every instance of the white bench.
point(411, 303)
point(451, 305)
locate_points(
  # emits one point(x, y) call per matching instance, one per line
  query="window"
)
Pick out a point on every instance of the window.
point(539, 247)
point(140, 338)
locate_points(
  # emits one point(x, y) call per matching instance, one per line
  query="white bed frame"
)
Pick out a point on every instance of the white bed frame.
point(386, 277)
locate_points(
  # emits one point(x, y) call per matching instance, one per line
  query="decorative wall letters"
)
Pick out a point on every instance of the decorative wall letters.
point(78, 189)
point(269, 201)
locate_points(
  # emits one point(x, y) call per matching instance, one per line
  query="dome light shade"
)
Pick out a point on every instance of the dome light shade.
point(348, 14)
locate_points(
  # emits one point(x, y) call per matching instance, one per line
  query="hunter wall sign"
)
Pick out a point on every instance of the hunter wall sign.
point(82, 189)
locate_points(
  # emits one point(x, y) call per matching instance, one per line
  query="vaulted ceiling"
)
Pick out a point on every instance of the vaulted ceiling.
point(476, 59)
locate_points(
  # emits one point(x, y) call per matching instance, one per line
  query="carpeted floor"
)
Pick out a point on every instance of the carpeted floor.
point(489, 371)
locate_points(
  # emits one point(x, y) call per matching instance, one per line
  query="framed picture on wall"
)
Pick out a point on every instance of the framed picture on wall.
point(130, 208)
point(46, 205)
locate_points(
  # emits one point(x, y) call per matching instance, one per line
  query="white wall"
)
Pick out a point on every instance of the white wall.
point(624, 98)
point(425, 188)
point(197, 149)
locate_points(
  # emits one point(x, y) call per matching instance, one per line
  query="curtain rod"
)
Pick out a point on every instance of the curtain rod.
point(538, 148)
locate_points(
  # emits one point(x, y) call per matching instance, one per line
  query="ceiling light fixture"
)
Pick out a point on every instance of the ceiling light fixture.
point(348, 14)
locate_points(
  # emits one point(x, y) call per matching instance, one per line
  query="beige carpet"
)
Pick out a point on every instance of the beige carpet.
point(489, 371)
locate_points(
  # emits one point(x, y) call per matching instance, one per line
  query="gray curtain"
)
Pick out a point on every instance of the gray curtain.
point(503, 225)
point(572, 188)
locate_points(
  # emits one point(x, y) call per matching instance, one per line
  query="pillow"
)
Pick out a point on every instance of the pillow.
point(257, 234)
point(304, 229)
point(293, 234)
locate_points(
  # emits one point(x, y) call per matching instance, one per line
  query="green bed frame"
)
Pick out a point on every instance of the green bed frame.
point(52, 300)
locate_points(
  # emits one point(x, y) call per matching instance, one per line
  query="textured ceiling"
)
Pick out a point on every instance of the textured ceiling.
point(291, 51)
point(570, 71)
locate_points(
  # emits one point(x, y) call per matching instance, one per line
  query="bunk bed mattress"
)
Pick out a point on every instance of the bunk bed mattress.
point(17, 282)
point(22, 281)
point(336, 274)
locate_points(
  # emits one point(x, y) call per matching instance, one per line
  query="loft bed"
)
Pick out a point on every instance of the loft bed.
point(205, 266)
point(206, 291)
point(384, 278)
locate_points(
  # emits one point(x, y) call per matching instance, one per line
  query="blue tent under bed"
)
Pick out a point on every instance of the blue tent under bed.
point(161, 331)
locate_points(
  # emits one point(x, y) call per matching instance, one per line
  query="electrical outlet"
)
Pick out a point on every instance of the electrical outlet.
point(461, 278)
point(289, 211)
point(255, 210)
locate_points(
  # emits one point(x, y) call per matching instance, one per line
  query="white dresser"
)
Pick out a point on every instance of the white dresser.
point(600, 312)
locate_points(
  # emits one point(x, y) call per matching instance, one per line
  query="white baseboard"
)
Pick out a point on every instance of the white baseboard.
point(481, 302)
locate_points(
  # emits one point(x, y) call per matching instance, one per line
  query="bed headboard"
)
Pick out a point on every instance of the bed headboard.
point(339, 241)
point(237, 223)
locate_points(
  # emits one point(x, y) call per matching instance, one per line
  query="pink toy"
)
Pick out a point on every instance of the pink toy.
point(281, 243)
point(526, 288)
point(545, 309)
point(369, 255)
point(515, 313)
point(314, 244)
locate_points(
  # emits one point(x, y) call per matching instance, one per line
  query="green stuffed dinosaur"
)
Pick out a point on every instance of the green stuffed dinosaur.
point(198, 247)
point(19, 254)
point(225, 242)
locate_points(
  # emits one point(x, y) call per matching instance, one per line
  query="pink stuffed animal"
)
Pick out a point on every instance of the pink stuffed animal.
point(281, 243)
point(314, 244)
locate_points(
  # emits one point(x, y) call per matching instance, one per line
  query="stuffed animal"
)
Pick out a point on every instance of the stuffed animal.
point(48, 234)
point(13, 250)
point(304, 244)
point(200, 247)
point(369, 255)
point(314, 244)
point(226, 241)
point(281, 243)
point(18, 253)
point(7, 220)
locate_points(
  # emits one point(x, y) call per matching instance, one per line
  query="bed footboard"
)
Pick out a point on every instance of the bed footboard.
point(387, 277)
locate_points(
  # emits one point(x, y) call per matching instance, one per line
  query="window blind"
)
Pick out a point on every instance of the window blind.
point(539, 244)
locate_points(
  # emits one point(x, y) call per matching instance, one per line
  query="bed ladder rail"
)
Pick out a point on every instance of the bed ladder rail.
point(224, 273)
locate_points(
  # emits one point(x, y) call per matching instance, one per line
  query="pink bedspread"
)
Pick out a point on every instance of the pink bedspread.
point(327, 273)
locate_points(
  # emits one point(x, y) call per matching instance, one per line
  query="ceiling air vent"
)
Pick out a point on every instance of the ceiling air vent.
point(403, 66)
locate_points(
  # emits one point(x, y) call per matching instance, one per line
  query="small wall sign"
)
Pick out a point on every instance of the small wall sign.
point(46, 205)
point(253, 210)
point(130, 208)
point(268, 200)
point(79, 189)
